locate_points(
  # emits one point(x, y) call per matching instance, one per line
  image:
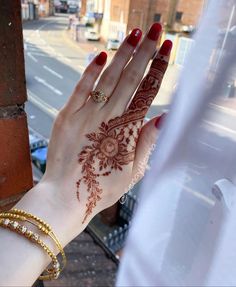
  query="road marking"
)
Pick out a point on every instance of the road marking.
point(224, 109)
point(63, 57)
point(210, 146)
point(198, 195)
point(53, 72)
point(193, 170)
point(218, 126)
point(42, 105)
point(46, 84)
point(34, 49)
point(41, 54)
point(197, 165)
point(82, 68)
point(32, 57)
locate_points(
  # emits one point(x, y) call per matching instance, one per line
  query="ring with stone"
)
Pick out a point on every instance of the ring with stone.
point(98, 96)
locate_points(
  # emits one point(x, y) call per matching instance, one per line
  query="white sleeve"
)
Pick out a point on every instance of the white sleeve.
point(183, 233)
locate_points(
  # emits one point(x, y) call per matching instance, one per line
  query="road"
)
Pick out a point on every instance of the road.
point(54, 64)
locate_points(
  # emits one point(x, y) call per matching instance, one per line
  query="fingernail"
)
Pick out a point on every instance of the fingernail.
point(154, 32)
point(134, 37)
point(101, 58)
point(166, 48)
point(159, 120)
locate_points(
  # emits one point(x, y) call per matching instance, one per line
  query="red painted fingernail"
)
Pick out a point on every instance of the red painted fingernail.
point(166, 48)
point(154, 32)
point(159, 120)
point(134, 37)
point(101, 58)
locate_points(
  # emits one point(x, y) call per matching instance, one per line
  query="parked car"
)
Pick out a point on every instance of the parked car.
point(39, 158)
point(36, 142)
point(61, 6)
point(92, 35)
point(72, 9)
point(113, 44)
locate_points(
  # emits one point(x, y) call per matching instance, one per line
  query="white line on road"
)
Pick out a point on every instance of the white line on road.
point(32, 57)
point(218, 126)
point(42, 105)
point(210, 146)
point(223, 109)
point(198, 195)
point(63, 57)
point(41, 54)
point(33, 48)
point(53, 72)
point(46, 84)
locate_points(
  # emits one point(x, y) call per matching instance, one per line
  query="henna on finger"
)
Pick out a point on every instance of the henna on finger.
point(150, 85)
point(113, 146)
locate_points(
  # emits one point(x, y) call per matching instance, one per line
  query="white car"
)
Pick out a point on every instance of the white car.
point(113, 44)
point(92, 35)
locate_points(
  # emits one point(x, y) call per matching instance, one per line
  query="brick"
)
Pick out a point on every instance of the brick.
point(140, 13)
point(191, 11)
point(12, 73)
point(15, 164)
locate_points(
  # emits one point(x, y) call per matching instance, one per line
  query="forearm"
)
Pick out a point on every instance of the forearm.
point(22, 261)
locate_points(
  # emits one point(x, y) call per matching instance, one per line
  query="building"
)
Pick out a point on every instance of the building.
point(121, 16)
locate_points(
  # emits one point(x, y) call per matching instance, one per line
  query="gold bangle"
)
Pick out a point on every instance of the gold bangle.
point(22, 230)
point(42, 226)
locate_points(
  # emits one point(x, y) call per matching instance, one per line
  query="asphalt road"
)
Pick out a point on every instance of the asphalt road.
point(54, 65)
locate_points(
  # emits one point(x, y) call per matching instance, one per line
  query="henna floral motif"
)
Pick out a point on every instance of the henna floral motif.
point(113, 145)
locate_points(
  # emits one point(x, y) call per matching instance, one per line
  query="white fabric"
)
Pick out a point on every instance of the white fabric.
point(184, 231)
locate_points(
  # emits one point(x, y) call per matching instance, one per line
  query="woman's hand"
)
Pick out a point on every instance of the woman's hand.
point(96, 149)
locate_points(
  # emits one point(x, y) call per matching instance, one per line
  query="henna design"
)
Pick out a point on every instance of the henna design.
point(113, 145)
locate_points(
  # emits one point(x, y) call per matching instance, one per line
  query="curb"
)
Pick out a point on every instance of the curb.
point(43, 106)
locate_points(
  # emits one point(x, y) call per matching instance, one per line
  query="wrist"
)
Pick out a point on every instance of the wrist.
point(43, 201)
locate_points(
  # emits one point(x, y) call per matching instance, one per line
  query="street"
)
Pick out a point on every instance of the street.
point(54, 64)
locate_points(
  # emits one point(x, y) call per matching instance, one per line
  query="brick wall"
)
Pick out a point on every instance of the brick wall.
point(119, 11)
point(15, 166)
point(192, 10)
point(138, 11)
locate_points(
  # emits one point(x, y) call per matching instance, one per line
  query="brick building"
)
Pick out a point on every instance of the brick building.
point(120, 16)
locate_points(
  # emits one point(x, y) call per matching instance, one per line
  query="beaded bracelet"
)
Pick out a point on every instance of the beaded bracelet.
point(42, 226)
point(34, 237)
point(10, 220)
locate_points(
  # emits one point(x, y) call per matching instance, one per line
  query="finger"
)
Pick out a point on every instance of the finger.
point(145, 146)
point(133, 73)
point(86, 82)
point(150, 85)
point(111, 75)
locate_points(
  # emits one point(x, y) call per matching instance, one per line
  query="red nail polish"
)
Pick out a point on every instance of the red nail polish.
point(154, 32)
point(158, 121)
point(166, 48)
point(101, 58)
point(134, 37)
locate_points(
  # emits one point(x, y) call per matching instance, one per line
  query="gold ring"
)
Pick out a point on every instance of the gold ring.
point(98, 96)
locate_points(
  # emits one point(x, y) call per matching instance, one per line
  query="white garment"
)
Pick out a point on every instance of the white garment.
point(184, 231)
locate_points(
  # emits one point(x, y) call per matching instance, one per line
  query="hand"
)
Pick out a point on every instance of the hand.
point(96, 148)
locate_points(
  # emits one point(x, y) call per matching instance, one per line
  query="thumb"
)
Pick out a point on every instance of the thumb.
point(145, 145)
